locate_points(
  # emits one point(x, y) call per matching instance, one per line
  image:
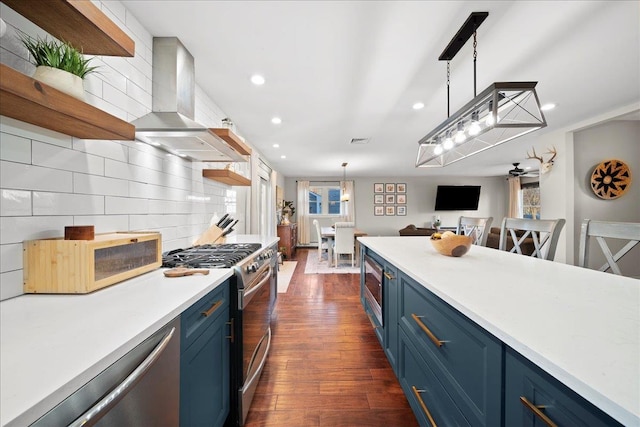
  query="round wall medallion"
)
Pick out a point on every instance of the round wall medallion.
point(611, 179)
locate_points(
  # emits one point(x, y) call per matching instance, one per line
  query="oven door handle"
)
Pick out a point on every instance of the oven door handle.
point(265, 279)
point(257, 372)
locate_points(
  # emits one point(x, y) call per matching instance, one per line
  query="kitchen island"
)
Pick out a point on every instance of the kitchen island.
point(581, 327)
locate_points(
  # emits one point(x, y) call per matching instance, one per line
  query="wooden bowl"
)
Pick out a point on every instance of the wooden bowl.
point(452, 245)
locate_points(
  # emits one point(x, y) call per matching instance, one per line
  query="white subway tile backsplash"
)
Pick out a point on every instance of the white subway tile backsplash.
point(115, 11)
point(15, 203)
point(10, 257)
point(105, 106)
point(93, 184)
point(104, 223)
point(67, 204)
point(99, 147)
point(29, 131)
point(137, 86)
point(164, 206)
point(148, 160)
point(16, 229)
point(27, 177)
point(125, 205)
point(53, 157)
point(122, 100)
point(11, 284)
point(15, 148)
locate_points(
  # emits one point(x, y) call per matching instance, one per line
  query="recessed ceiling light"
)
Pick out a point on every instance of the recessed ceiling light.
point(276, 145)
point(547, 107)
point(257, 79)
point(418, 106)
point(276, 120)
point(283, 157)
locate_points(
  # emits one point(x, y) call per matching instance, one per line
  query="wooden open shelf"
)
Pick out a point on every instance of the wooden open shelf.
point(29, 100)
point(226, 177)
point(78, 22)
point(233, 140)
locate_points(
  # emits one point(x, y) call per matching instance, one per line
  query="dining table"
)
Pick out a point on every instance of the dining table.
point(329, 233)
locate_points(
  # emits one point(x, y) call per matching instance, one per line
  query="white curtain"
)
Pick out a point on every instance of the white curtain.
point(515, 199)
point(303, 213)
point(348, 207)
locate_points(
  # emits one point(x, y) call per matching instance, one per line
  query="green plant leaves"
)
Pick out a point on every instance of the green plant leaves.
point(57, 54)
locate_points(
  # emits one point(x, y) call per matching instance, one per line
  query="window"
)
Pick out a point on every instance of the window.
point(324, 199)
point(531, 200)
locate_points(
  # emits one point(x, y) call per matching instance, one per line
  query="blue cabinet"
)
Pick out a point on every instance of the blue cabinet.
point(466, 359)
point(534, 398)
point(205, 360)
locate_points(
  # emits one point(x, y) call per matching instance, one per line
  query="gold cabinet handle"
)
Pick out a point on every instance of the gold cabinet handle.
point(213, 308)
point(537, 410)
point(388, 276)
point(427, 331)
point(230, 336)
point(422, 404)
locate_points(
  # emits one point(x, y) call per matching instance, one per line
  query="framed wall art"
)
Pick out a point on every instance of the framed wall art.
point(390, 210)
point(401, 199)
point(378, 210)
point(378, 199)
point(378, 187)
point(401, 188)
point(401, 211)
point(389, 188)
point(390, 199)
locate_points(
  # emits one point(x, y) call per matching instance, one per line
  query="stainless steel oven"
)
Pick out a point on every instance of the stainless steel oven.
point(373, 286)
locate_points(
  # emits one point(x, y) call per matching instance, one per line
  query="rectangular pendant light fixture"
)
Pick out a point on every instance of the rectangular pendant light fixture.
point(500, 113)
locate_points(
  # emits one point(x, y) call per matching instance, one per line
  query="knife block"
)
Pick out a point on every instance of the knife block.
point(211, 236)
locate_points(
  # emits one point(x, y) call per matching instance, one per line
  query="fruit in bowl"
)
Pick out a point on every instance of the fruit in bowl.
point(450, 244)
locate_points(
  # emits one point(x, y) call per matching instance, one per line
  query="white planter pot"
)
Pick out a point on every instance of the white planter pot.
point(61, 80)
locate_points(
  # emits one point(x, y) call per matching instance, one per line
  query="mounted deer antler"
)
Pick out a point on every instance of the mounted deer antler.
point(544, 166)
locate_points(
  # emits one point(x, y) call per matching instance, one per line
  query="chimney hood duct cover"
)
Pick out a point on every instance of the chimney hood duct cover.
point(170, 125)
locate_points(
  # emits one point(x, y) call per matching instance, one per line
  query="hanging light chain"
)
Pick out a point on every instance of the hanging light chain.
point(475, 56)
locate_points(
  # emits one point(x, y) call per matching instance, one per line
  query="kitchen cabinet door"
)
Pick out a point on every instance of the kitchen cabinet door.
point(205, 361)
point(390, 313)
point(534, 398)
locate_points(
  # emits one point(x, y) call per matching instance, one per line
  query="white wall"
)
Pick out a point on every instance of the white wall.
point(613, 140)
point(50, 180)
point(421, 196)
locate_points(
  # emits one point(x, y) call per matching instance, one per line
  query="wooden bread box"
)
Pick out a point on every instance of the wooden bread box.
point(59, 266)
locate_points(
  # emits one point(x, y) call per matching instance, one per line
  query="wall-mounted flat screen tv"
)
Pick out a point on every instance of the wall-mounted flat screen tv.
point(457, 197)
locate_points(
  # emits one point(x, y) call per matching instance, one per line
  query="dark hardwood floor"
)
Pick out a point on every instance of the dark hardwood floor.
point(326, 366)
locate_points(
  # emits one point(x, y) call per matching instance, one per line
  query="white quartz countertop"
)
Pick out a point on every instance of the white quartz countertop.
point(51, 345)
point(579, 325)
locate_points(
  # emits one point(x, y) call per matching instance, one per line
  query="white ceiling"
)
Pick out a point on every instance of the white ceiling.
point(337, 70)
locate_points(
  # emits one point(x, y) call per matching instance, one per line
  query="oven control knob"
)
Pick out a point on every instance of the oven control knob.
point(253, 267)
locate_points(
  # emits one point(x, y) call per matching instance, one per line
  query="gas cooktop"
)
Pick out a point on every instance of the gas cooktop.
point(224, 255)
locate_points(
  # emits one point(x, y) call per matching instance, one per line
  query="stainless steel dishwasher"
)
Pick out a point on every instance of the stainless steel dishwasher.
point(142, 388)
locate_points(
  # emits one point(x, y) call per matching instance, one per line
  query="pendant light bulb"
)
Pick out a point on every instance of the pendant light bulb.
point(438, 149)
point(474, 127)
point(460, 136)
point(345, 195)
point(491, 119)
point(448, 143)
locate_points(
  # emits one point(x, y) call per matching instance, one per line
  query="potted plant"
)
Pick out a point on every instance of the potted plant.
point(58, 64)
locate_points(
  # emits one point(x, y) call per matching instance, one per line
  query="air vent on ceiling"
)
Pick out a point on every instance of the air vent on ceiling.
point(360, 140)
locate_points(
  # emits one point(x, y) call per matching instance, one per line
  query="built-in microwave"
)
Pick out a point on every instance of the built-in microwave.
point(373, 286)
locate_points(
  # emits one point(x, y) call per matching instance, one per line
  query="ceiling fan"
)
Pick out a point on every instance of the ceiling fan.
point(518, 171)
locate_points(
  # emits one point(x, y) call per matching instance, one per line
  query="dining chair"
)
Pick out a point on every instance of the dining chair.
point(477, 228)
point(344, 241)
point(322, 243)
point(628, 232)
point(543, 234)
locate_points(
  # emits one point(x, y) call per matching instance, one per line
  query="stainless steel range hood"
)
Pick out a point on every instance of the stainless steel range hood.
point(170, 125)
